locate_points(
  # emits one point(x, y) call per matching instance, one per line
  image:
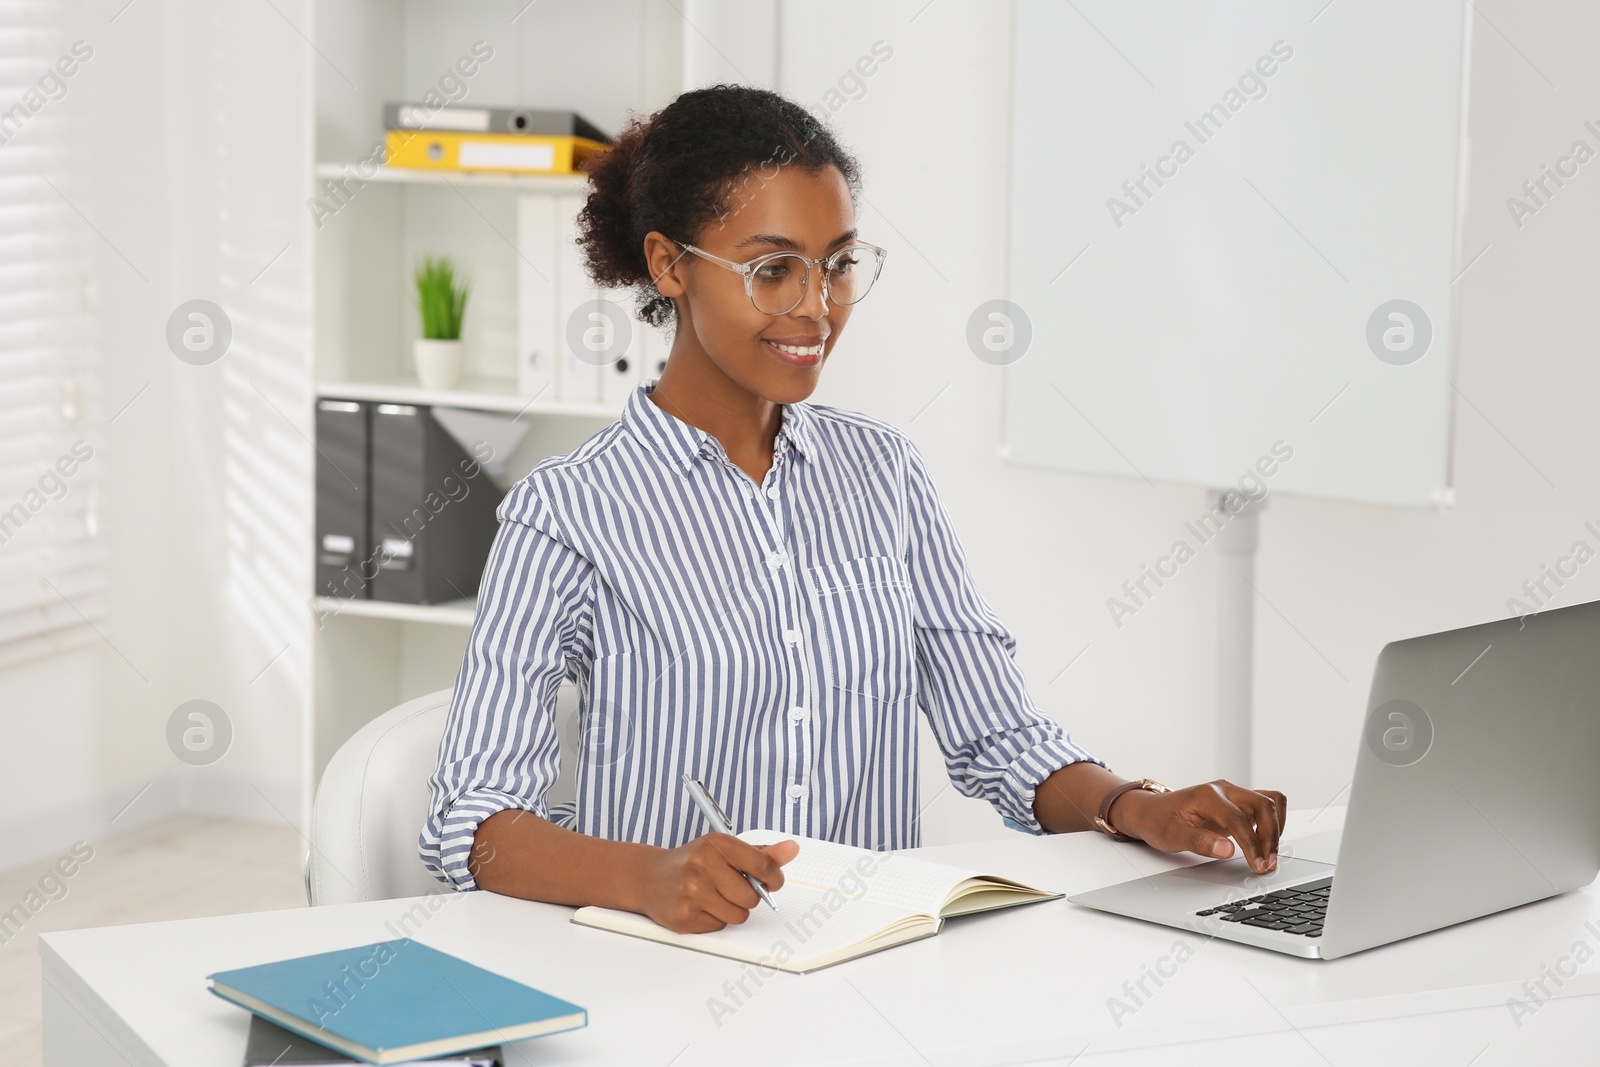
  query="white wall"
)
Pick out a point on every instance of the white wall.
point(81, 740)
point(1350, 578)
point(239, 120)
point(195, 153)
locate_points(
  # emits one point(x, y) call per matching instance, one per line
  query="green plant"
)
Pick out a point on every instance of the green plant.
point(441, 298)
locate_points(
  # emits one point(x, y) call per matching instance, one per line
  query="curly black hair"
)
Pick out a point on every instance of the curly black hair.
point(682, 168)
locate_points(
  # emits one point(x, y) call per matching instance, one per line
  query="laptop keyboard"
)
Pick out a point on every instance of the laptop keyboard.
point(1299, 909)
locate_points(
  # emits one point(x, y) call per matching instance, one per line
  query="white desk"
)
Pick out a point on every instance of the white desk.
point(1030, 984)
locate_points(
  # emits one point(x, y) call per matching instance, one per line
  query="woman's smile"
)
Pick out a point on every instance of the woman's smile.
point(797, 351)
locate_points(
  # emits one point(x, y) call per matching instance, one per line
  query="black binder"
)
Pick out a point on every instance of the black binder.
point(343, 525)
point(433, 509)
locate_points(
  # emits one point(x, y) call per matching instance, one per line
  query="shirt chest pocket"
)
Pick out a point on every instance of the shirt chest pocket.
point(869, 640)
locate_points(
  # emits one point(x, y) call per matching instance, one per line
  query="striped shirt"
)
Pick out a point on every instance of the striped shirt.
point(777, 642)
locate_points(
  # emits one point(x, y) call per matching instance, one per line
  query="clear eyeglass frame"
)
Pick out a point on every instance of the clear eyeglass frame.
point(748, 270)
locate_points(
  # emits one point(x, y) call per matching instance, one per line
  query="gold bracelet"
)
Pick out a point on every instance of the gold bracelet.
point(1103, 819)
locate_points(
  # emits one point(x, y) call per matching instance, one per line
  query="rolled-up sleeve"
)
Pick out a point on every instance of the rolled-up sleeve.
point(500, 748)
point(997, 744)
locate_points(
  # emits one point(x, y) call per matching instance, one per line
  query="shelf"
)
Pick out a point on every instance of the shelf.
point(479, 395)
point(450, 613)
point(528, 183)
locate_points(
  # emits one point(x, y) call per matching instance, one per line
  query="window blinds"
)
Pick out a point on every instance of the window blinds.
point(52, 557)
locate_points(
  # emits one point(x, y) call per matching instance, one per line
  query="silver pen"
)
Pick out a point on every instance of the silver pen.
point(719, 824)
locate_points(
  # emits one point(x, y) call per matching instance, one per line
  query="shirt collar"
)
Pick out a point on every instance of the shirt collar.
point(680, 444)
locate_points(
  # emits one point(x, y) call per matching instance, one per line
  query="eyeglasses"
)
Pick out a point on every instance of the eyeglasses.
point(776, 282)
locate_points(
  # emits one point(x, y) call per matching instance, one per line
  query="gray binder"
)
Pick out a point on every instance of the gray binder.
point(523, 120)
point(433, 509)
point(343, 526)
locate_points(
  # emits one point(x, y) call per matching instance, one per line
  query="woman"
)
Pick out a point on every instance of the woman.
point(757, 591)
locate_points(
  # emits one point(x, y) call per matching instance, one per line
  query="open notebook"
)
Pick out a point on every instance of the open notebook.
point(837, 902)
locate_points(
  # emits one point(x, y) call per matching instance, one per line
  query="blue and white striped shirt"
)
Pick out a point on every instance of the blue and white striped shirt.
point(776, 642)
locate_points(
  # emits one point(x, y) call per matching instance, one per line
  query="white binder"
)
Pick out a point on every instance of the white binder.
point(579, 344)
point(619, 378)
point(577, 376)
point(538, 334)
point(657, 346)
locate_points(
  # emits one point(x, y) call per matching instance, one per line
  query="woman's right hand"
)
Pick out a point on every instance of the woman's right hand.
point(699, 887)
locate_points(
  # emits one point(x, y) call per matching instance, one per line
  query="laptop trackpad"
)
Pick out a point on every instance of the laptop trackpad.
point(1236, 871)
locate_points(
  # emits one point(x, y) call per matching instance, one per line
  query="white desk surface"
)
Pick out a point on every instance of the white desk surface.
point(1028, 984)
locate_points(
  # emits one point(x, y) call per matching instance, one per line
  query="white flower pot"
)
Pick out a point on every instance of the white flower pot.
point(438, 362)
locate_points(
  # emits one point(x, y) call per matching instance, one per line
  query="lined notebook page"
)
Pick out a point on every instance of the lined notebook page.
point(802, 927)
point(900, 881)
point(805, 924)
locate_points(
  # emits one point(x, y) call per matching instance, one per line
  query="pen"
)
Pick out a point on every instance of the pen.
point(719, 823)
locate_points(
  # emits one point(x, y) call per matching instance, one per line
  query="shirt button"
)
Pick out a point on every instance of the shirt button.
point(772, 492)
point(777, 559)
point(797, 714)
point(796, 792)
point(792, 636)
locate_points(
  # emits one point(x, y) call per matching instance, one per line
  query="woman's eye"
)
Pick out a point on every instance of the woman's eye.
point(772, 272)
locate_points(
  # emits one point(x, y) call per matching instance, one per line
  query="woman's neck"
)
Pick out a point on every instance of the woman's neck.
point(695, 390)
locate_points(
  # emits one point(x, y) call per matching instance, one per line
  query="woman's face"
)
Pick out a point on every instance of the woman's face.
point(792, 210)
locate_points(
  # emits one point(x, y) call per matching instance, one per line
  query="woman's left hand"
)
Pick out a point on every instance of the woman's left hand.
point(1202, 818)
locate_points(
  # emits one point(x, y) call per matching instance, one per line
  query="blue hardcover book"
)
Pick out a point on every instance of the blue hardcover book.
point(393, 1001)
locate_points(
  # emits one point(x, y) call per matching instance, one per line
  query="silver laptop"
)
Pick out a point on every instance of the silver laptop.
point(1474, 792)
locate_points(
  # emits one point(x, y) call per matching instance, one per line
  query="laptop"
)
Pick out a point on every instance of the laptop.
point(1474, 792)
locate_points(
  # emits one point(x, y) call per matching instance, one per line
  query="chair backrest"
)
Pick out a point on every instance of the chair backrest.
point(371, 805)
point(373, 800)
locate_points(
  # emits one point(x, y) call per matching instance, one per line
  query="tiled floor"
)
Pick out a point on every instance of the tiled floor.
point(185, 866)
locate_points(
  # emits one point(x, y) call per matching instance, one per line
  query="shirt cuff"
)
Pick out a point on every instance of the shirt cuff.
point(1031, 768)
point(447, 861)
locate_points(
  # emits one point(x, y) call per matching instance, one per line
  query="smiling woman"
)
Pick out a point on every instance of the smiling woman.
point(756, 591)
point(766, 191)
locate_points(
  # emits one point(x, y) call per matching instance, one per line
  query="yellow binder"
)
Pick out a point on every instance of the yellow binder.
point(497, 152)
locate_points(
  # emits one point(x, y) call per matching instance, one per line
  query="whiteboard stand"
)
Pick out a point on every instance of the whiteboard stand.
point(1236, 625)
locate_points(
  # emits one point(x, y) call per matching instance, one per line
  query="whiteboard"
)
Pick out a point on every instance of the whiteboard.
point(1234, 233)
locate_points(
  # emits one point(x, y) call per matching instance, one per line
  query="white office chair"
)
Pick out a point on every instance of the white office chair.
point(373, 799)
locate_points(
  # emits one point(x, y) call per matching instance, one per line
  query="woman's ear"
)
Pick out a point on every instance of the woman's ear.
point(664, 257)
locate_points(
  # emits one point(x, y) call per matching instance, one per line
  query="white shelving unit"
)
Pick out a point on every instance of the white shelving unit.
point(528, 183)
point(450, 613)
point(487, 394)
point(369, 656)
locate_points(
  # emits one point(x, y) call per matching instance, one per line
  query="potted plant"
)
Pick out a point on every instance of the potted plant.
point(442, 302)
